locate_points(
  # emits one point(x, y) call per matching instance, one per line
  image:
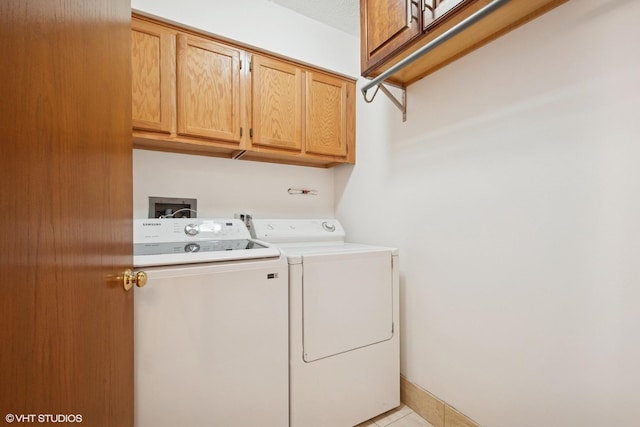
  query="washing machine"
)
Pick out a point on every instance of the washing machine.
point(344, 353)
point(210, 325)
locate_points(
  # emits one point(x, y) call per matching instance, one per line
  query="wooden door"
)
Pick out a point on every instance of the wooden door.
point(153, 63)
point(326, 115)
point(208, 89)
point(386, 26)
point(276, 104)
point(66, 332)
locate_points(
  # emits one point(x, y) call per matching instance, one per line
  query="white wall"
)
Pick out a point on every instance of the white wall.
point(512, 192)
point(224, 186)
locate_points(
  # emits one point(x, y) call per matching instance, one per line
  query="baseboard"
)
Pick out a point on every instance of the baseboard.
point(432, 409)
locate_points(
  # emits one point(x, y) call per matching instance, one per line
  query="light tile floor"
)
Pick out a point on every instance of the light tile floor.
point(402, 416)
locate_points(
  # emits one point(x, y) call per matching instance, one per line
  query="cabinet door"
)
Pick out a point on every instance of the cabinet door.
point(152, 77)
point(208, 89)
point(436, 10)
point(326, 115)
point(277, 103)
point(385, 26)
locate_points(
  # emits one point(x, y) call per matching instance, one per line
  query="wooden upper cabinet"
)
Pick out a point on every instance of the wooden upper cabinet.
point(438, 17)
point(301, 113)
point(327, 114)
point(194, 93)
point(208, 89)
point(276, 103)
point(153, 77)
point(386, 26)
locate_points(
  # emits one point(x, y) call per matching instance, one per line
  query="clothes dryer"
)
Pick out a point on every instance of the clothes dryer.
point(344, 355)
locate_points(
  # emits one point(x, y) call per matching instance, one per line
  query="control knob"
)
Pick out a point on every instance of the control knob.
point(191, 229)
point(192, 247)
point(329, 227)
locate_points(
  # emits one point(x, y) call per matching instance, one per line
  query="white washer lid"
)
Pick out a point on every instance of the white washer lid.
point(173, 241)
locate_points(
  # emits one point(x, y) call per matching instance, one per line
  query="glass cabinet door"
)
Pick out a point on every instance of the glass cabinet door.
point(435, 10)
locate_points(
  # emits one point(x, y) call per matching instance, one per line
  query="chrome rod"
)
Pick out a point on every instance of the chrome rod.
point(467, 22)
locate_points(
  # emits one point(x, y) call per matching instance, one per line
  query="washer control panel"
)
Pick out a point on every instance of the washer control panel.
point(155, 230)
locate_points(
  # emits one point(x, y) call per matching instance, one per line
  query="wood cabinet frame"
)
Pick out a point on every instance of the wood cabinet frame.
point(154, 91)
point(208, 89)
point(500, 22)
point(386, 26)
point(251, 135)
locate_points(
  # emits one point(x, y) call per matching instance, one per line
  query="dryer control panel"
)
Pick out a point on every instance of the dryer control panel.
point(298, 230)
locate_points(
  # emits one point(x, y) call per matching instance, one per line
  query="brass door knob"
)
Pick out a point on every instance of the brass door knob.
point(130, 278)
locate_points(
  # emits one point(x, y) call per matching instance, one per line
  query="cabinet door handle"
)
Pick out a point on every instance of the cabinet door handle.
point(410, 16)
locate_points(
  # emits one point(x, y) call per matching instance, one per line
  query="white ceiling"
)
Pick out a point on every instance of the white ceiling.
point(341, 14)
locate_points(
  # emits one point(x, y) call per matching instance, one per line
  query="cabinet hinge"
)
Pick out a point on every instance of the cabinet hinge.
point(241, 64)
point(240, 132)
point(251, 132)
point(250, 66)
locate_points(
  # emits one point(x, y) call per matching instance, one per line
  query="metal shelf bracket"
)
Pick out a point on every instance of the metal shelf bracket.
point(461, 26)
point(402, 105)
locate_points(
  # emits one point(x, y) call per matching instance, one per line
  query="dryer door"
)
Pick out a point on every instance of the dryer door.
point(347, 302)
